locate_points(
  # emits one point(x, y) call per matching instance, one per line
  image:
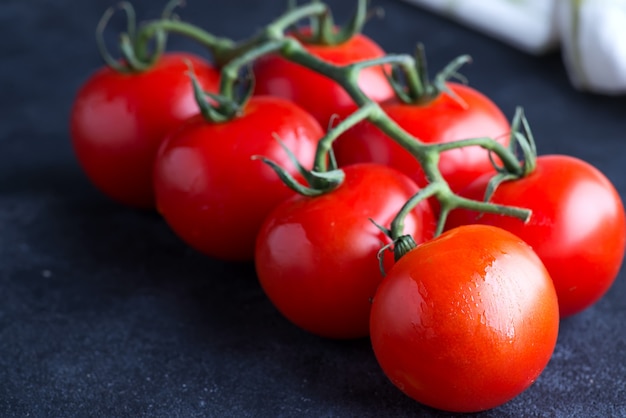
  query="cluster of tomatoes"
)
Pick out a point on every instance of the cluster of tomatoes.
point(462, 321)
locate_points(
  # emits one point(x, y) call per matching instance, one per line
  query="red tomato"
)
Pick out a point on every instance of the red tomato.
point(317, 93)
point(212, 193)
point(443, 119)
point(467, 321)
point(119, 120)
point(316, 257)
point(577, 226)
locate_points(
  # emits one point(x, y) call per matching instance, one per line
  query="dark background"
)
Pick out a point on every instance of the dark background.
point(105, 313)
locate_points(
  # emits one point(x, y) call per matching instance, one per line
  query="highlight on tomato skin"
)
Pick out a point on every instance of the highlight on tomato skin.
point(316, 257)
point(118, 121)
point(577, 226)
point(210, 190)
point(467, 321)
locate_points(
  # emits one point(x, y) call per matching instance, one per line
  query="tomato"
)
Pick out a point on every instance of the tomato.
point(316, 257)
point(212, 193)
point(317, 93)
point(467, 321)
point(446, 118)
point(577, 226)
point(118, 121)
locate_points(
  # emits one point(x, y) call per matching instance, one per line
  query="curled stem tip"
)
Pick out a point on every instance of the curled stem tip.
point(324, 30)
point(380, 255)
point(168, 10)
point(133, 44)
point(101, 44)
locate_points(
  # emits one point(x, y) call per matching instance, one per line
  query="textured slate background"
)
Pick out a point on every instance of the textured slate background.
point(105, 313)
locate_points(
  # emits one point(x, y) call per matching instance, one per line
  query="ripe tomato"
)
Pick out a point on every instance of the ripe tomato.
point(577, 226)
point(317, 93)
point(443, 119)
point(316, 257)
point(211, 192)
point(467, 321)
point(118, 121)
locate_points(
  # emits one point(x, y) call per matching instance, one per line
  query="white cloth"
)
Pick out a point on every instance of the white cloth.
point(593, 37)
point(525, 24)
point(590, 33)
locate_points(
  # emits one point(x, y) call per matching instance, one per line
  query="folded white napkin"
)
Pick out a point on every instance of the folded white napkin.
point(591, 33)
point(525, 24)
point(593, 36)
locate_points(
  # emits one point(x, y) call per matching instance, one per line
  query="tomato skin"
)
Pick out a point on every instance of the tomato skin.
point(577, 227)
point(118, 121)
point(441, 120)
point(316, 257)
point(319, 94)
point(212, 193)
point(467, 321)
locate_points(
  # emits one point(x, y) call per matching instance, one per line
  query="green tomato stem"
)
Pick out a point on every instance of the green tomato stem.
point(232, 57)
point(230, 72)
point(272, 32)
point(510, 161)
point(397, 225)
point(278, 27)
point(324, 145)
point(219, 47)
point(347, 77)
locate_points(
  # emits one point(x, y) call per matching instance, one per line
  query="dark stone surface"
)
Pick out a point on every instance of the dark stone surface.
point(105, 313)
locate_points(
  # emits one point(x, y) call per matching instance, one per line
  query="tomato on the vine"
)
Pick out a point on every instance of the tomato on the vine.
point(316, 257)
point(208, 188)
point(467, 321)
point(466, 113)
point(577, 225)
point(318, 94)
point(118, 121)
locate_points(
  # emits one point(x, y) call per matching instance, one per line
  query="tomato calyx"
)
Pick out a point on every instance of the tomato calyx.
point(221, 108)
point(401, 246)
point(319, 182)
point(322, 29)
point(136, 56)
point(523, 144)
point(413, 86)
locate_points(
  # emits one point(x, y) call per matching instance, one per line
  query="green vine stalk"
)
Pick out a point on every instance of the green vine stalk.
point(233, 58)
